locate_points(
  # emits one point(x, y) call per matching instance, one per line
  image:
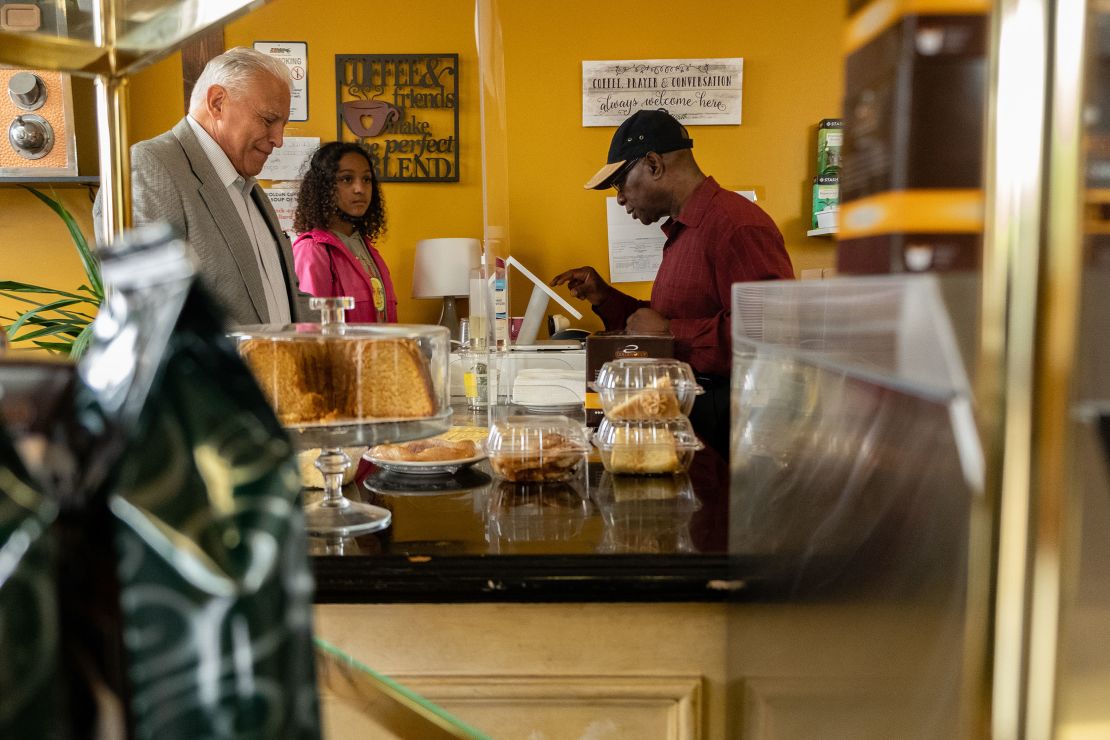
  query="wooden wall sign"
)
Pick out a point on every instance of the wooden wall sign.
point(405, 109)
point(695, 91)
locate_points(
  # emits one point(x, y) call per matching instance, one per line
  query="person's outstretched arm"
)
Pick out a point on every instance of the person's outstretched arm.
point(613, 306)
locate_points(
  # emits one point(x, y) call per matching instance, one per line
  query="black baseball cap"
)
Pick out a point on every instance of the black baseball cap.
point(642, 132)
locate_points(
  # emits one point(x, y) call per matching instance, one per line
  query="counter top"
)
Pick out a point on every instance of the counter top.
point(470, 536)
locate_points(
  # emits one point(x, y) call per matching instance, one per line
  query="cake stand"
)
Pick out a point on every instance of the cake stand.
point(335, 514)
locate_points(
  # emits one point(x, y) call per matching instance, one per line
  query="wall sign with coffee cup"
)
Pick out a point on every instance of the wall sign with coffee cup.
point(405, 109)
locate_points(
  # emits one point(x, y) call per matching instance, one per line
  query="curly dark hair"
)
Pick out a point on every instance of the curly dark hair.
point(316, 201)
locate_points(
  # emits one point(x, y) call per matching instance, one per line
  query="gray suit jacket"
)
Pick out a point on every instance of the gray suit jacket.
point(173, 181)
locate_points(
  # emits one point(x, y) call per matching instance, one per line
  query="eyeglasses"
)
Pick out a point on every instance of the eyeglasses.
point(622, 174)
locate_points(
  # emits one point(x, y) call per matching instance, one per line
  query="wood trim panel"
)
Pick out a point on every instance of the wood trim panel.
point(788, 707)
point(196, 53)
point(681, 696)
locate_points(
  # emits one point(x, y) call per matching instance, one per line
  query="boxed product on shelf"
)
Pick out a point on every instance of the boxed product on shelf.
point(646, 388)
point(830, 134)
point(536, 448)
point(826, 201)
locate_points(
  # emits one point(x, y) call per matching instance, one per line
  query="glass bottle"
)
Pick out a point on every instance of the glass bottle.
point(476, 371)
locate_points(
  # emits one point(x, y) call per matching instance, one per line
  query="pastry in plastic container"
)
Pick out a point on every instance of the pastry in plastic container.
point(536, 448)
point(646, 388)
point(644, 447)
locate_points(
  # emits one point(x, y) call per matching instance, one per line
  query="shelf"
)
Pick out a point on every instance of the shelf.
point(827, 231)
point(59, 180)
point(143, 33)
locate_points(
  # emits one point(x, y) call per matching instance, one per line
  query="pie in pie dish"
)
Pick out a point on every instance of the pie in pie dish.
point(426, 450)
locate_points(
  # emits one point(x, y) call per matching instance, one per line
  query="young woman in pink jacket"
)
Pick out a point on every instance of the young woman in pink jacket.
point(339, 215)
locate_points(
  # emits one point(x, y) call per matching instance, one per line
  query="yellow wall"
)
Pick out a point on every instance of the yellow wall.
point(792, 79)
point(157, 99)
point(413, 211)
point(35, 246)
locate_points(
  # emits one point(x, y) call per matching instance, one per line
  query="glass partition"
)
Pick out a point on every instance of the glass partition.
point(855, 465)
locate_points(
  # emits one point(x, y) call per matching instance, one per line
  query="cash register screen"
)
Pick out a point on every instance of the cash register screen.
point(537, 306)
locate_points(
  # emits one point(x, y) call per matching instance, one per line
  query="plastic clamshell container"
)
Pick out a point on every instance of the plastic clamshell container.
point(643, 447)
point(344, 374)
point(537, 511)
point(536, 448)
point(646, 388)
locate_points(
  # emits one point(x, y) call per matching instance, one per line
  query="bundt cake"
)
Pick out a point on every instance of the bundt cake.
point(312, 382)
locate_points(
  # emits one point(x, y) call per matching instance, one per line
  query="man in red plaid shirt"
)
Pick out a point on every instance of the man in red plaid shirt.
point(715, 238)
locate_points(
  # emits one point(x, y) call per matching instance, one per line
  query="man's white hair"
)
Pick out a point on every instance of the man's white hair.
point(234, 70)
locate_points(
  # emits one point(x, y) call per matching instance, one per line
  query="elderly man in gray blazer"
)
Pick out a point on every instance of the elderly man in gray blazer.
point(199, 177)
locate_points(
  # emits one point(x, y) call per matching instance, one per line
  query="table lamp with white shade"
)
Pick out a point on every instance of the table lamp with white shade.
point(441, 269)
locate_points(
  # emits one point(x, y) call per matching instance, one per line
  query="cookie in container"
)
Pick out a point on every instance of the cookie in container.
point(536, 448)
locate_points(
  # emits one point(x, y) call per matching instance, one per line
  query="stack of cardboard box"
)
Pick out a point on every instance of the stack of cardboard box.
point(911, 181)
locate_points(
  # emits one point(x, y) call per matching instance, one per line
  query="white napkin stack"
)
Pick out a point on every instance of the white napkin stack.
point(549, 387)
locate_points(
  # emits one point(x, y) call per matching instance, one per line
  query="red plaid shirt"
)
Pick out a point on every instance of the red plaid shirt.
point(718, 239)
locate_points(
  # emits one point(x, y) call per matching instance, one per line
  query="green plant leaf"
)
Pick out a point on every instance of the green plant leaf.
point(36, 320)
point(14, 286)
point(38, 306)
point(77, 315)
point(88, 259)
point(60, 347)
point(48, 317)
point(81, 343)
point(45, 307)
point(21, 299)
point(66, 329)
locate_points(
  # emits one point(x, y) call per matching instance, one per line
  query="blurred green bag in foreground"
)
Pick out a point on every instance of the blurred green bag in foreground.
point(213, 571)
point(177, 603)
point(31, 704)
